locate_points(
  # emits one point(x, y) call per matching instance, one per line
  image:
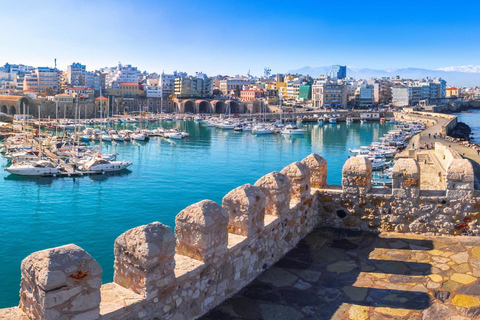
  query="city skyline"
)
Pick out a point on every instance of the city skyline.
point(226, 38)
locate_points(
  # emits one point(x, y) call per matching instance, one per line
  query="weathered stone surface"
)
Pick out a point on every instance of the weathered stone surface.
point(318, 170)
point(246, 209)
point(460, 178)
point(60, 282)
point(357, 176)
point(276, 188)
point(201, 231)
point(406, 177)
point(299, 176)
point(144, 258)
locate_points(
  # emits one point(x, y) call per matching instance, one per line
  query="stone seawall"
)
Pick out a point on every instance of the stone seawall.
point(218, 249)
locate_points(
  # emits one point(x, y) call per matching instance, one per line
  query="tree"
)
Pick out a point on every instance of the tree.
point(49, 91)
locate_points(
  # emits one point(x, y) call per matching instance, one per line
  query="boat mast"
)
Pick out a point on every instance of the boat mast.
point(39, 139)
point(56, 118)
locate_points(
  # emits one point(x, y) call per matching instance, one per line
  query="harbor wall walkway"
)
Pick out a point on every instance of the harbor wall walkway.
point(218, 249)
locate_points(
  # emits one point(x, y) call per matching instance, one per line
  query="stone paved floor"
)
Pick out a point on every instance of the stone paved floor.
point(335, 274)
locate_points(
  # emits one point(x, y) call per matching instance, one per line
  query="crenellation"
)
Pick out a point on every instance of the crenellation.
point(201, 231)
point(299, 176)
point(62, 282)
point(357, 176)
point(406, 179)
point(220, 249)
point(246, 209)
point(276, 188)
point(460, 178)
point(318, 170)
point(144, 259)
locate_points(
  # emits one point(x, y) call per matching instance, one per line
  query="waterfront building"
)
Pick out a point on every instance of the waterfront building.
point(338, 72)
point(198, 86)
point(293, 88)
point(452, 92)
point(251, 95)
point(329, 94)
point(167, 83)
point(235, 85)
point(76, 74)
point(30, 82)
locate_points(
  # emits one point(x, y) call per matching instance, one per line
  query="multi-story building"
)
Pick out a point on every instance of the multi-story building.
point(401, 95)
point(153, 91)
point(364, 96)
point(251, 95)
point(30, 82)
point(90, 79)
point(167, 82)
point(234, 85)
point(305, 92)
point(121, 74)
point(48, 78)
point(199, 86)
point(329, 94)
point(76, 74)
point(293, 88)
point(338, 72)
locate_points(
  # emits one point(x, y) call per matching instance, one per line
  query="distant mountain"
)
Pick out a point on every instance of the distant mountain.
point(469, 69)
point(453, 76)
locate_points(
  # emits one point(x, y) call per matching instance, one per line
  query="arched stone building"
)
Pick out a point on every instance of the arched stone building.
point(211, 106)
point(13, 105)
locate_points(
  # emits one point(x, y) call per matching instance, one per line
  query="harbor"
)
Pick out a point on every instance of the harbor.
point(166, 175)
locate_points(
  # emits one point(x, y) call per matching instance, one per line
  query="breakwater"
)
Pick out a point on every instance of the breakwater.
point(220, 248)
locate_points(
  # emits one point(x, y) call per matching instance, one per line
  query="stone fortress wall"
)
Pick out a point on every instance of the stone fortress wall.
point(218, 249)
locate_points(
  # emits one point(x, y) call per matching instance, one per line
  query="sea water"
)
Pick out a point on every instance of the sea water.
point(166, 176)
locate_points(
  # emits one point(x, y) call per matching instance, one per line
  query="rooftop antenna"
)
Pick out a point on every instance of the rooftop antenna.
point(55, 63)
point(267, 71)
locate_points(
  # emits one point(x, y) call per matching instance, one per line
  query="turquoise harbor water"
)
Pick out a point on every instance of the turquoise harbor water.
point(166, 176)
point(472, 118)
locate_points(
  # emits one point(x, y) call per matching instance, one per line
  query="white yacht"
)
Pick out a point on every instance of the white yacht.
point(98, 164)
point(39, 168)
point(292, 129)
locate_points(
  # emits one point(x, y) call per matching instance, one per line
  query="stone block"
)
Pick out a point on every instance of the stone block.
point(144, 259)
point(246, 209)
point(201, 231)
point(357, 176)
point(60, 283)
point(318, 170)
point(276, 188)
point(406, 179)
point(299, 176)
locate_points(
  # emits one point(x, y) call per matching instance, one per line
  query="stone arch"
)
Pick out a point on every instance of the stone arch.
point(4, 109)
point(188, 106)
point(12, 110)
point(218, 106)
point(204, 106)
point(235, 107)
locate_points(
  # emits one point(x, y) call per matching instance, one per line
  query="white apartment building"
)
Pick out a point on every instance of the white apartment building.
point(167, 83)
point(121, 74)
point(401, 95)
point(76, 74)
point(199, 86)
point(153, 91)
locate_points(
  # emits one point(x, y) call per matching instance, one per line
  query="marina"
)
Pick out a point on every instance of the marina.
point(166, 175)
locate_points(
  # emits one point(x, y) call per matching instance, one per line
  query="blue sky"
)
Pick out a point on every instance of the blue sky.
point(232, 37)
